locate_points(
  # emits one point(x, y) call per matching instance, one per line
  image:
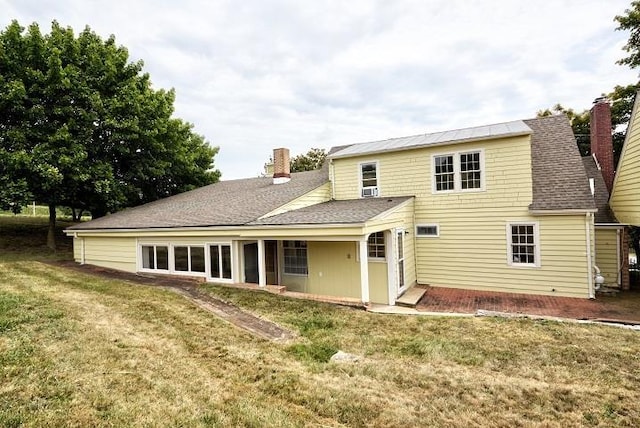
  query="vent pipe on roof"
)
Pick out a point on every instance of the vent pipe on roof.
point(281, 168)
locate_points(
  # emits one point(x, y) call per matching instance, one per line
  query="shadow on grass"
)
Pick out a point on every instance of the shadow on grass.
point(25, 238)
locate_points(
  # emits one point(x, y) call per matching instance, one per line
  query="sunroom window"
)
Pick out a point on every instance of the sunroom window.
point(155, 257)
point(189, 258)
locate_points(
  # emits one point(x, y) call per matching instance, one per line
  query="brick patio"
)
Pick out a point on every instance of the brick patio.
point(623, 307)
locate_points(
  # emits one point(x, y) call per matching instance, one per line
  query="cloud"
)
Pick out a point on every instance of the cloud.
point(255, 75)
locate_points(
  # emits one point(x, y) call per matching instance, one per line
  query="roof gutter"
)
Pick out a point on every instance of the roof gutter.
point(74, 232)
point(562, 212)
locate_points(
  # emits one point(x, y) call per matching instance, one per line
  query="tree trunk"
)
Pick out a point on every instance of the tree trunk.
point(51, 235)
point(76, 214)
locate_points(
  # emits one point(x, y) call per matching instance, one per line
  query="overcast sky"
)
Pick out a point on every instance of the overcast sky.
point(253, 75)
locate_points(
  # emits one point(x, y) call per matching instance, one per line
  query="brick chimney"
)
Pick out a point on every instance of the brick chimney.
point(601, 141)
point(281, 171)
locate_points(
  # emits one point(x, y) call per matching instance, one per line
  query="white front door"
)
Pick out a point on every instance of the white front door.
point(399, 242)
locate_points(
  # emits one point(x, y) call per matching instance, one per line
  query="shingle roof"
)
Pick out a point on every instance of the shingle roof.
point(226, 203)
point(477, 133)
point(559, 178)
point(335, 212)
point(601, 194)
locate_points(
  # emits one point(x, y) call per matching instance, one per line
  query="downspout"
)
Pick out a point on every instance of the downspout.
point(619, 257)
point(587, 226)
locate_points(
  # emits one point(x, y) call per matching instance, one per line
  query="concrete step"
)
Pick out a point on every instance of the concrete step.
point(411, 297)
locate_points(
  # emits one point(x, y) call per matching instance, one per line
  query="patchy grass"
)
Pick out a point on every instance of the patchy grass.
point(78, 350)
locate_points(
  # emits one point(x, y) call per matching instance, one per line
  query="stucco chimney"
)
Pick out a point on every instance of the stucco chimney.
point(601, 141)
point(281, 171)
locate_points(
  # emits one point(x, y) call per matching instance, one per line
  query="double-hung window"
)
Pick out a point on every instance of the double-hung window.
point(460, 171)
point(368, 179)
point(295, 257)
point(523, 247)
point(375, 246)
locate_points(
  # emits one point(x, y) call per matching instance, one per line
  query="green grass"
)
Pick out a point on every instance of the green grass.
point(78, 350)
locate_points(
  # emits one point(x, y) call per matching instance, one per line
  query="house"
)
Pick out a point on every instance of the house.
point(506, 207)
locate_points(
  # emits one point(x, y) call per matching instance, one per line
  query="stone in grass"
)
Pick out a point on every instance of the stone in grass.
point(343, 357)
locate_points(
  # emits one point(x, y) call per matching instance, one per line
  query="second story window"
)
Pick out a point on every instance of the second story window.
point(462, 171)
point(444, 172)
point(368, 179)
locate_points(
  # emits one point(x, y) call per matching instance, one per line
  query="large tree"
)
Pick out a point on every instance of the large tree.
point(313, 159)
point(81, 126)
point(621, 98)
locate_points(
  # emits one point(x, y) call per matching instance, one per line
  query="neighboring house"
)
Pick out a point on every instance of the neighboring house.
point(507, 207)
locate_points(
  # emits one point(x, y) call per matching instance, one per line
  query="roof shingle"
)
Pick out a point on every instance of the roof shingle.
point(226, 203)
point(335, 212)
point(558, 174)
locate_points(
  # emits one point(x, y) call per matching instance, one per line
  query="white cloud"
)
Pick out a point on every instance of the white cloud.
point(255, 75)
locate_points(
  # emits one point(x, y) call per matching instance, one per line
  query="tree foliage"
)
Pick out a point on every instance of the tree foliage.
point(621, 98)
point(81, 125)
point(630, 21)
point(313, 159)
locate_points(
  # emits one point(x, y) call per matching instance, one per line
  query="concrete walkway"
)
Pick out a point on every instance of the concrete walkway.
point(257, 326)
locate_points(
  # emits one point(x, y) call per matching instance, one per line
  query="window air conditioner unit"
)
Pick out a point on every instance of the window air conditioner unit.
point(369, 192)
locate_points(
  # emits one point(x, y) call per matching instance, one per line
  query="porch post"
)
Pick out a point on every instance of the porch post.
point(262, 273)
point(364, 271)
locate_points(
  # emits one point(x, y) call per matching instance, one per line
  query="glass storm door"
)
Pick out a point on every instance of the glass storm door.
point(400, 260)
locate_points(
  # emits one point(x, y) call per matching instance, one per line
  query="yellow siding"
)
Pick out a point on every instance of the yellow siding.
point(316, 196)
point(607, 255)
point(471, 252)
point(333, 269)
point(378, 283)
point(625, 196)
point(77, 249)
point(408, 173)
point(114, 253)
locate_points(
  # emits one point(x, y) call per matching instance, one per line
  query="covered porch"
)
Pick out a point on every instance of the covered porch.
point(355, 249)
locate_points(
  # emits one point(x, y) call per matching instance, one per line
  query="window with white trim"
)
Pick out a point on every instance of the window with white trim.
point(523, 244)
point(295, 257)
point(461, 171)
point(427, 230)
point(444, 173)
point(188, 258)
point(368, 179)
point(155, 257)
point(376, 246)
point(220, 261)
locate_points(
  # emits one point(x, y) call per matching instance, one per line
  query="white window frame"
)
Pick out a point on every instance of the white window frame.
point(436, 225)
point(375, 189)
point(189, 272)
point(457, 174)
point(536, 243)
point(384, 247)
point(208, 268)
point(284, 258)
point(141, 267)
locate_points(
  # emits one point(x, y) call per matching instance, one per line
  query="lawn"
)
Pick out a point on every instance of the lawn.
point(78, 350)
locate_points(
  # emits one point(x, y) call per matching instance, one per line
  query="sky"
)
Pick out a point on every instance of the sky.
point(254, 75)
